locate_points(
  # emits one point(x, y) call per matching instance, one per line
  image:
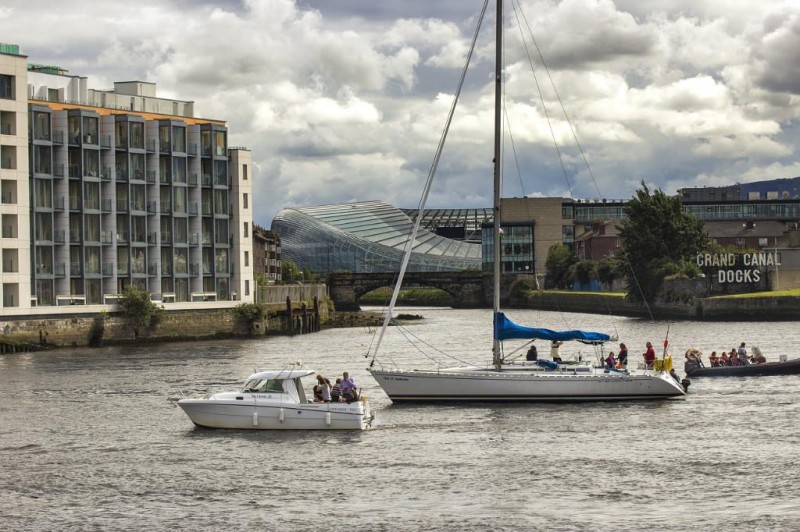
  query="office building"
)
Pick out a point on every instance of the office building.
point(126, 189)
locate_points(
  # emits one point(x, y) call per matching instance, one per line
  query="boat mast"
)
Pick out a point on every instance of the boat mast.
point(496, 355)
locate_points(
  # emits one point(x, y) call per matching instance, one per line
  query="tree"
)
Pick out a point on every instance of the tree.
point(658, 239)
point(289, 271)
point(608, 270)
point(557, 265)
point(138, 309)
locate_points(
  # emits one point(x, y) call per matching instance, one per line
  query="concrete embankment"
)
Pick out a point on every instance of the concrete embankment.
point(764, 308)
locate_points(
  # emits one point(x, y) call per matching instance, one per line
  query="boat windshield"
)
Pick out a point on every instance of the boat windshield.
point(264, 385)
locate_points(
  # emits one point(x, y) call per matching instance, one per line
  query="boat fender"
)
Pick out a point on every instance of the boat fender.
point(280, 415)
point(328, 419)
point(255, 419)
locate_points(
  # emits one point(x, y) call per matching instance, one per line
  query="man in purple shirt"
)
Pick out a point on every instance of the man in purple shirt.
point(348, 387)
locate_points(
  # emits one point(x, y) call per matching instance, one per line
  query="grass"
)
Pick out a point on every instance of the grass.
point(795, 292)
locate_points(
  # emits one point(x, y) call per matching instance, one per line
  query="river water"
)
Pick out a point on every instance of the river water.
point(88, 441)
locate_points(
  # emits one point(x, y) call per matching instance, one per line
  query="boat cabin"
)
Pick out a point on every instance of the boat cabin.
point(279, 382)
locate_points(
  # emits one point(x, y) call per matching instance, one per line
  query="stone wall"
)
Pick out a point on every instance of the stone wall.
point(110, 327)
point(89, 329)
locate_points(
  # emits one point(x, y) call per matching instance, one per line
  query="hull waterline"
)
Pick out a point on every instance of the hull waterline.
point(218, 414)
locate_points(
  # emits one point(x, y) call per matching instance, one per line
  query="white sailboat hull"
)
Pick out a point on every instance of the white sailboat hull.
point(233, 414)
point(476, 385)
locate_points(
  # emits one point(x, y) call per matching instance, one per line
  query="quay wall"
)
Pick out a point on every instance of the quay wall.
point(98, 324)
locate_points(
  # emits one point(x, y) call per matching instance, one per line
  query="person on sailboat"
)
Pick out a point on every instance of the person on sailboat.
point(555, 354)
point(611, 362)
point(649, 356)
point(622, 356)
point(532, 354)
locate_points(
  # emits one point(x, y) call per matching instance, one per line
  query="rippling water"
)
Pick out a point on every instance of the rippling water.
point(88, 441)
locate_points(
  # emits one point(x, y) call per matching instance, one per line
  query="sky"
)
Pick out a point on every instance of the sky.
point(345, 100)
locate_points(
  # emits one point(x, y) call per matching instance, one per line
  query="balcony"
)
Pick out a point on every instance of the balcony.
point(108, 269)
point(74, 236)
point(106, 237)
point(122, 205)
point(106, 204)
point(192, 180)
point(74, 269)
point(152, 238)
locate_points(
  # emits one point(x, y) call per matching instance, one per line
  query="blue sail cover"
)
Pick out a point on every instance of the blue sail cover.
point(505, 329)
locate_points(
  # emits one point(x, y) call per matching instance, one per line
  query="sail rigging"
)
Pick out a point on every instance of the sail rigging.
point(505, 380)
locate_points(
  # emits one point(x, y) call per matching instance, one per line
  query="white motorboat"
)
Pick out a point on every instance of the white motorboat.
point(275, 400)
point(503, 381)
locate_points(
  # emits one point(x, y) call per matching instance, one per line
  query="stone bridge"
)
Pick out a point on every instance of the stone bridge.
point(468, 288)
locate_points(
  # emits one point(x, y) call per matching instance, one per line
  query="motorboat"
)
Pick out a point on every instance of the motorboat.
point(783, 367)
point(276, 400)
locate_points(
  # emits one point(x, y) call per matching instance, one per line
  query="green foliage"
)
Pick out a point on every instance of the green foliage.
point(608, 271)
point(584, 271)
point(136, 307)
point(557, 265)
point(289, 271)
point(658, 239)
point(520, 289)
point(249, 312)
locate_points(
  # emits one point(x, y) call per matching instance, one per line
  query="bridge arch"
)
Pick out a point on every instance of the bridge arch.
point(468, 288)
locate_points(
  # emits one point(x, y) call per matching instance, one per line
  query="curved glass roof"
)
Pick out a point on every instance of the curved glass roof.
point(367, 236)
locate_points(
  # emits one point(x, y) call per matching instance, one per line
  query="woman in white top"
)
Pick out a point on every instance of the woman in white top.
point(325, 387)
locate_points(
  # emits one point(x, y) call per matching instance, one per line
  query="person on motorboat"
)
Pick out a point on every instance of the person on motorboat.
point(742, 355)
point(348, 387)
point(724, 360)
point(694, 355)
point(336, 391)
point(325, 387)
point(713, 359)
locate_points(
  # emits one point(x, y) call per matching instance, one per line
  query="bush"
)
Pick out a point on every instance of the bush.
point(136, 307)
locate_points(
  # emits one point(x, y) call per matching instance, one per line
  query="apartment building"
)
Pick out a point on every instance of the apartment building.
point(125, 188)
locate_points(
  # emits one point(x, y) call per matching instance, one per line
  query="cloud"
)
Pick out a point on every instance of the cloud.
point(346, 100)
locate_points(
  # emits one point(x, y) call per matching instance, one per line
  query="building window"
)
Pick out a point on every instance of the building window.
point(247, 258)
point(246, 287)
point(244, 172)
point(244, 201)
point(6, 87)
point(246, 230)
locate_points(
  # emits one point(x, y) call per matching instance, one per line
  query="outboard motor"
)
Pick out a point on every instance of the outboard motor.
point(685, 383)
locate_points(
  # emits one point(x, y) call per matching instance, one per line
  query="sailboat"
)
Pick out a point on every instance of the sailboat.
point(508, 380)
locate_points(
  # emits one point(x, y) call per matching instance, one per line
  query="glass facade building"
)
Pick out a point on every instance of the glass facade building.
point(366, 237)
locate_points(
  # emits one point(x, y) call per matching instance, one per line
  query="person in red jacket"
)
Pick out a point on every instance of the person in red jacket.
point(649, 356)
